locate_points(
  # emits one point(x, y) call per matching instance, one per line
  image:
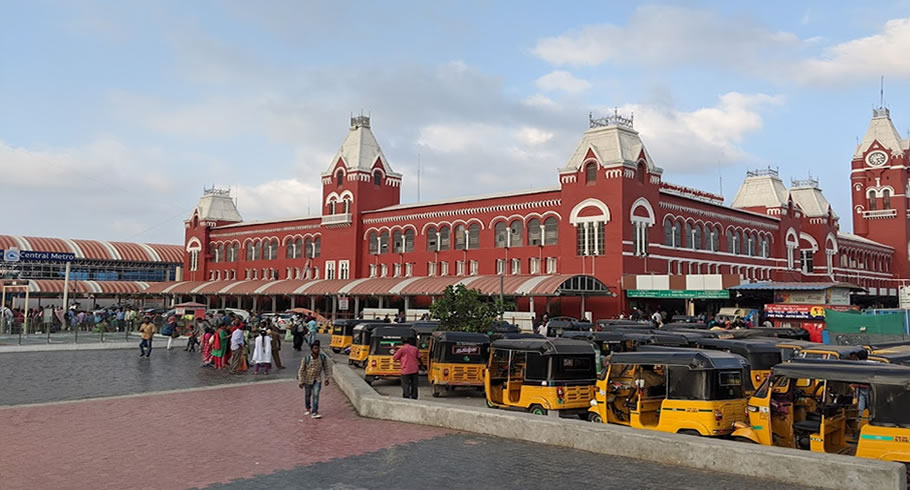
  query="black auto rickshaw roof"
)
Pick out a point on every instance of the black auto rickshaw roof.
point(740, 345)
point(688, 325)
point(888, 345)
point(368, 325)
point(868, 372)
point(775, 332)
point(504, 327)
point(570, 324)
point(623, 323)
point(691, 358)
point(520, 335)
point(578, 334)
point(465, 337)
point(404, 332)
point(842, 350)
point(902, 358)
point(546, 346)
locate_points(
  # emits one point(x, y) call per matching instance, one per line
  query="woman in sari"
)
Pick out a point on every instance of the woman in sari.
point(207, 346)
point(219, 346)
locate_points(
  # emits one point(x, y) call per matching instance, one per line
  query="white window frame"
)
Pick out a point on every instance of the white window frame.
point(396, 270)
point(516, 267)
point(409, 269)
point(534, 265)
point(431, 269)
point(444, 269)
point(459, 267)
point(473, 267)
point(551, 265)
point(372, 270)
point(330, 269)
point(383, 270)
point(344, 269)
point(500, 266)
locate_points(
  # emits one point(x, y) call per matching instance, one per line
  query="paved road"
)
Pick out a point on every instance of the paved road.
point(35, 377)
point(470, 461)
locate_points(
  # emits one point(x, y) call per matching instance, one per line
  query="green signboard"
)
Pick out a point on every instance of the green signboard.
point(678, 293)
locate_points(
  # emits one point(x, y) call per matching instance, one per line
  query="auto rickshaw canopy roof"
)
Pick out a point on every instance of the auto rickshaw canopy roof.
point(424, 328)
point(867, 372)
point(691, 358)
point(404, 332)
point(545, 346)
point(902, 358)
point(463, 337)
point(368, 326)
point(841, 350)
point(740, 345)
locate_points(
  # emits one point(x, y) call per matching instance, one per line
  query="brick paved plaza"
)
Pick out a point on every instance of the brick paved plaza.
point(253, 435)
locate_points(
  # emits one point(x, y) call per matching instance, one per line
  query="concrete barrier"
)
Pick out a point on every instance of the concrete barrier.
point(771, 463)
point(159, 342)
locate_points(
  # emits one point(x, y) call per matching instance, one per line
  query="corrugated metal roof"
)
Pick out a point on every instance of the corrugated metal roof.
point(793, 286)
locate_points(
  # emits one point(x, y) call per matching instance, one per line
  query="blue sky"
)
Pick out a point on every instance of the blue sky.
point(114, 115)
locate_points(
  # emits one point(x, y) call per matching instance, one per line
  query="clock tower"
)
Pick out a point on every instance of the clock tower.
point(879, 187)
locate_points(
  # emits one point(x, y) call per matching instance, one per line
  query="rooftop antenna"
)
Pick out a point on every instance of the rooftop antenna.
point(720, 178)
point(418, 177)
point(881, 92)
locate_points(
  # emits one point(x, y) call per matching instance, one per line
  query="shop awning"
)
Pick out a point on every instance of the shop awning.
point(512, 285)
point(105, 288)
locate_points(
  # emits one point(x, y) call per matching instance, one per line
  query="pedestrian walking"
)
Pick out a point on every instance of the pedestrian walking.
point(237, 348)
point(262, 352)
point(207, 346)
point(170, 329)
point(409, 357)
point(219, 346)
point(276, 346)
point(314, 370)
point(299, 333)
point(146, 334)
point(312, 327)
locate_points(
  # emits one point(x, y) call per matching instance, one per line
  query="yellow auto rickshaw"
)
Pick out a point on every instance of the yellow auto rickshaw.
point(360, 346)
point(342, 334)
point(424, 331)
point(761, 355)
point(457, 359)
point(689, 391)
point(384, 342)
point(540, 374)
point(842, 393)
point(826, 351)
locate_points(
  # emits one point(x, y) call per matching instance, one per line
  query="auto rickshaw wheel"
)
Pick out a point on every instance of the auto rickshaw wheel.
point(435, 391)
point(744, 439)
point(491, 405)
point(336, 350)
point(350, 362)
point(689, 432)
point(537, 410)
point(369, 380)
point(596, 418)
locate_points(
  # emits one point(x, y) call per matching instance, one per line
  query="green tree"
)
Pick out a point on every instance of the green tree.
point(464, 310)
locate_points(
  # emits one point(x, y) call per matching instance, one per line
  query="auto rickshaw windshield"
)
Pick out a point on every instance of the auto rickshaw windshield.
point(890, 406)
point(763, 360)
point(704, 384)
point(464, 353)
point(569, 367)
point(385, 346)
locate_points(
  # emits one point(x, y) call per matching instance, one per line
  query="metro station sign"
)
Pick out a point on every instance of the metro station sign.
point(16, 255)
point(678, 293)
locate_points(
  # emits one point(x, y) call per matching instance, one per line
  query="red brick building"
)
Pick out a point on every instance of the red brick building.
point(612, 223)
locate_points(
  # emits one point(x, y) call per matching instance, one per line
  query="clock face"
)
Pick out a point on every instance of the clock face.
point(876, 158)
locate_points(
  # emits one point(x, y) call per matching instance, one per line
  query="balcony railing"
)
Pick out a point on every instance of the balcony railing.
point(880, 214)
point(337, 219)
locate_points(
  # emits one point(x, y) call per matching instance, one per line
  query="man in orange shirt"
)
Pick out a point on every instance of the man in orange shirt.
point(146, 333)
point(410, 363)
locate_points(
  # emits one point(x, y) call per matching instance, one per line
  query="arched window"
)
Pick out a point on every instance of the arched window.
point(688, 235)
point(550, 231)
point(221, 255)
point(373, 240)
point(501, 234)
point(409, 240)
point(213, 251)
point(886, 199)
point(668, 233)
point(339, 177)
point(474, 236)
point(642, 170)
point(397, 242)
point(460, 238)
point(590, 173)
point(695, 238)
point(317, 247)
point(731, 247)
point(290, 250)
point(347, 205)
point(738, 244)
point(534, 232)
point(516, 232)
point(308, 248)
point(444, 241)
point(753, 245)
point(233, 252)
point(384, 242)
point(377, 177)
point(716, 239)
point(273, 249)
point(677, 234)
point(432, 239)
point(872, 201)
point(332, 205)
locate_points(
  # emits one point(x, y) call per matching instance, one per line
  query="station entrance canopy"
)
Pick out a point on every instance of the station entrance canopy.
point(516, 285)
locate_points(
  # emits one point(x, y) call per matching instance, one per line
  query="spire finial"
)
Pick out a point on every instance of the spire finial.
point(881, 92)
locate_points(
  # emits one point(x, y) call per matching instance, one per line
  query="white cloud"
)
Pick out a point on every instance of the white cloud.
point(562, 80)
point(278, 199)
point(692, 141)
point(666, 35)
point(540, 101)
point(864, 58)
point(534, 136)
